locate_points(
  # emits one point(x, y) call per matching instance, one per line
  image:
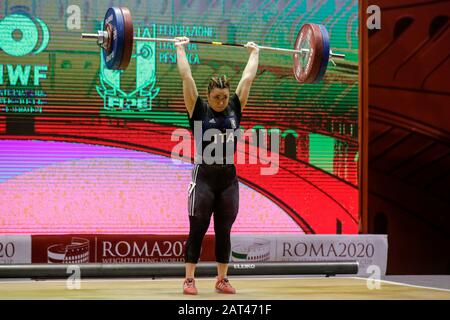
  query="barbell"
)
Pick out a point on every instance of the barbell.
point(311, 49)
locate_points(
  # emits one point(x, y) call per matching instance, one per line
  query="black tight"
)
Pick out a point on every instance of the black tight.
point(216, 191)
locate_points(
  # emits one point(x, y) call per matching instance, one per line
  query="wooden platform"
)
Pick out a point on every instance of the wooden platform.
point(247, 289)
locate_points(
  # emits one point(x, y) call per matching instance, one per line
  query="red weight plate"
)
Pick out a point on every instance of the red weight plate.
point(129, 37)
point(325, 53)
point(307, 66)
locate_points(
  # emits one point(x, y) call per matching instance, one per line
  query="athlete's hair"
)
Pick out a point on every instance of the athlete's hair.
point(221, 82)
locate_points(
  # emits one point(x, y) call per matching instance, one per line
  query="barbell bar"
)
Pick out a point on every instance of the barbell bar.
point(311, 50)
point(93, 36)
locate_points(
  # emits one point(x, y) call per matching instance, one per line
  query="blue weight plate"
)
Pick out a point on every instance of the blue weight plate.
point(325, 53)
point(115, 25)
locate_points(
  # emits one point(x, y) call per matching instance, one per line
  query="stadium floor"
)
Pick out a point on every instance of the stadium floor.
point(248, 288)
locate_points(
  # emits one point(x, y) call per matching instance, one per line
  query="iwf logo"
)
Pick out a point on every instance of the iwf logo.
point(140, 98)
point(19, 35)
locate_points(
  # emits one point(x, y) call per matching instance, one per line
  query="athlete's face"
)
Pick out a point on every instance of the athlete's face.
point(218, 99)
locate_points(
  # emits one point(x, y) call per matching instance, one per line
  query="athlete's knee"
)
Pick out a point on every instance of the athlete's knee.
point(224, 223)
point(198, 225)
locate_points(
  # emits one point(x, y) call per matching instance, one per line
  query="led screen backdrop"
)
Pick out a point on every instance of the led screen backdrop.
point(84, 149)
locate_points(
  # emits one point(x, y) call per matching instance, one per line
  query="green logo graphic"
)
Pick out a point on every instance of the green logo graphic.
point(115, 98)
point(19, 35)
